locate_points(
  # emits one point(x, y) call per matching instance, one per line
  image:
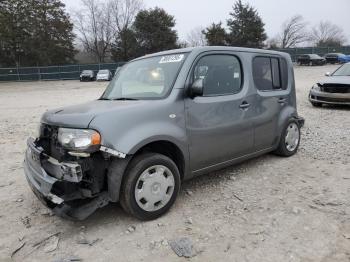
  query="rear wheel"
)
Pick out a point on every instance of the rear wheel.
point(290, 139)
point(150, 187)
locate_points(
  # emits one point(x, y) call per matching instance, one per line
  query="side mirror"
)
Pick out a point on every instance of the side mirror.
point(196, 88)
point(327, 74)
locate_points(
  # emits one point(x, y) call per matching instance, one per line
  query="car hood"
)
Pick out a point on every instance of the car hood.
point(344, 80)
point(80, 116)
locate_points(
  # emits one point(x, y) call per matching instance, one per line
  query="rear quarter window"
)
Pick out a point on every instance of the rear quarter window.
point(270, 73)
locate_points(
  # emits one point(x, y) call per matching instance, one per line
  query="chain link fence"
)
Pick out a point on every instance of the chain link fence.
point(66, 72)
point(295, 52)
point(71, 72)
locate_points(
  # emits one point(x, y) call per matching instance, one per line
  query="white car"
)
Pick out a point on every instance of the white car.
point(104, 74)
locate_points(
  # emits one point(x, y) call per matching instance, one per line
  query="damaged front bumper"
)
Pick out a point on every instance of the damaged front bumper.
point(329, 98)
point(46, 176)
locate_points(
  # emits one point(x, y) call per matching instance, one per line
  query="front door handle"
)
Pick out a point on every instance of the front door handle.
point(244, 105)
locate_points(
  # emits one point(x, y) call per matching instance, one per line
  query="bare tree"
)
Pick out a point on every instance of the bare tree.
point(273, 43)
point(95, 29)
point(328, 34)
point(293, 32)
point(196, 37)
point(124, 12)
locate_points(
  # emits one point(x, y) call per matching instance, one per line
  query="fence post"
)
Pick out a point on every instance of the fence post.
point(18, 77)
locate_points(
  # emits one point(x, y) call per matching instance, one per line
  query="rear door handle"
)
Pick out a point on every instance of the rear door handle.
point(281, 100)
point(244, 105)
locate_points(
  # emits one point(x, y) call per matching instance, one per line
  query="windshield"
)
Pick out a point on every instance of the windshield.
point(149, 78)
point(86, 72)
point(103, 72)
point(344, 70)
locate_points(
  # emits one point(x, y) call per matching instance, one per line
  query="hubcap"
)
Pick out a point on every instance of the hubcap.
point(154, 188)
point(292, 137)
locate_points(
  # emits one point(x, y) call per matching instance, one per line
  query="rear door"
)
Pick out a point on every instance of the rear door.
point(270, 74)
point(219, 123)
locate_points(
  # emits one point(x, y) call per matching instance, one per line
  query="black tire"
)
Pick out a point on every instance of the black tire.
point(282, 148)
point(316, 104)
point(135, 168)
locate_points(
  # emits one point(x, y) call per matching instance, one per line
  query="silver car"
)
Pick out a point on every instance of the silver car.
point(164, 119)
point(104, 75)
point(334, 89)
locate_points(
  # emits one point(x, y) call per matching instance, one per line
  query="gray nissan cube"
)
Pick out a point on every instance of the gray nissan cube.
point(163, 119)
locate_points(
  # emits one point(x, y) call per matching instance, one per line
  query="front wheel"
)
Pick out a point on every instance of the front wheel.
point(150, 187)
point(290, 139)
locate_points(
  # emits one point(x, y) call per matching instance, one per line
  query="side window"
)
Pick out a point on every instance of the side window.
point(276, 78)
point(221, 74)
point(262, 73)
point(270, 73)
point(284, 73)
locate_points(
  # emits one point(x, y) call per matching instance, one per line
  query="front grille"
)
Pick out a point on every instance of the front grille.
point(48, 140)
point(336, 88)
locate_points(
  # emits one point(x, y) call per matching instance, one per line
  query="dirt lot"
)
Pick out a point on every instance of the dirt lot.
point(266, 209)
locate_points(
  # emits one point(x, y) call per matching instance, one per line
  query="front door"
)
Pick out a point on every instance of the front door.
point(219, 123)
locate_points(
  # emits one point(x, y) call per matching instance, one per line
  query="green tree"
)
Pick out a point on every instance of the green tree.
point(36, 32)
point(126, 46)
point(54, 33)
point(154, 31)
point(246, 28)
point(15, 24)
point(215, 35)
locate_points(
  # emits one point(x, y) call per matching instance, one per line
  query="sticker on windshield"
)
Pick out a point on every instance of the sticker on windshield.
point(171, 59)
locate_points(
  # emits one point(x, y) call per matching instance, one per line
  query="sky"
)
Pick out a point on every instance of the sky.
point(190, 14)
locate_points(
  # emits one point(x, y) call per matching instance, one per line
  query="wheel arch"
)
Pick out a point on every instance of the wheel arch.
point(167, 148)
point(116, 172)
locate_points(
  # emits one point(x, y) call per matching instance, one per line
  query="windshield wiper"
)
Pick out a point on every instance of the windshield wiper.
point(124, 99)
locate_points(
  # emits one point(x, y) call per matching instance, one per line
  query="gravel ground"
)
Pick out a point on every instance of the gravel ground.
point(265, 209)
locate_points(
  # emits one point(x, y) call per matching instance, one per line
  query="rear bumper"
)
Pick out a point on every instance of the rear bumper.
point(44, 186)
point(329, 98)
point(300, 120)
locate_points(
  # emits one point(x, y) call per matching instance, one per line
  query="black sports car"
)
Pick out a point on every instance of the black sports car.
point(311, 59)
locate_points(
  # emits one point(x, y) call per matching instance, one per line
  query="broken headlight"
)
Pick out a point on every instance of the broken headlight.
point(316, 87)
point(86, 140)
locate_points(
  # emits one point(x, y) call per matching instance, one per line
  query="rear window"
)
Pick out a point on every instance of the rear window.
point(270, 73)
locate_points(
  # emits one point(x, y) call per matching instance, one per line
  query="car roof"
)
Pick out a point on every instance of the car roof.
point(212, 48)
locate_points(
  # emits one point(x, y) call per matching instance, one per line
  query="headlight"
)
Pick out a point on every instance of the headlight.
point(79, 139)
point(316, 87)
